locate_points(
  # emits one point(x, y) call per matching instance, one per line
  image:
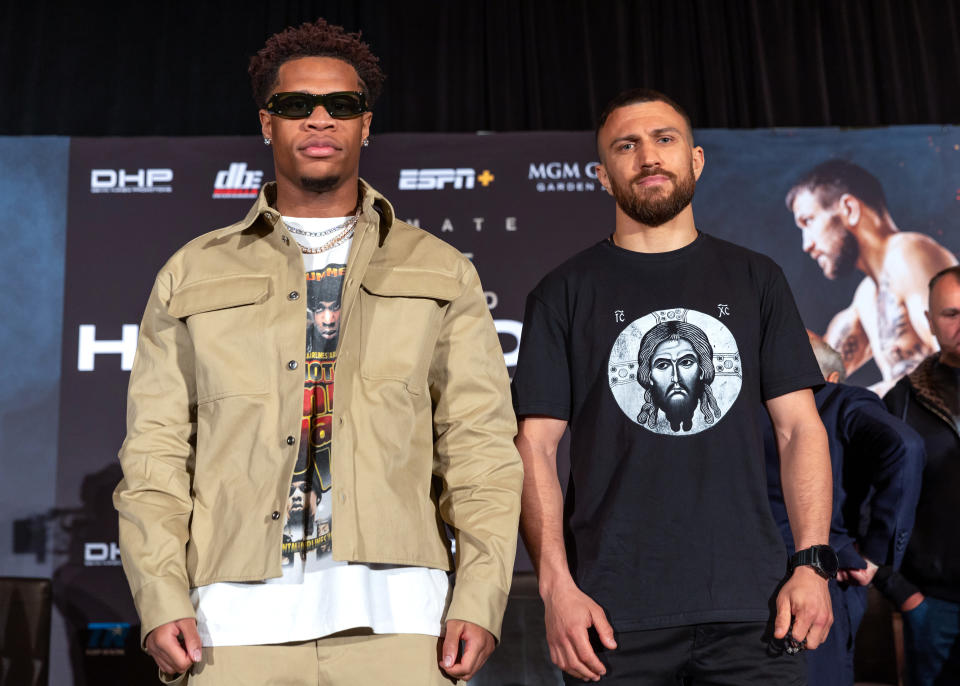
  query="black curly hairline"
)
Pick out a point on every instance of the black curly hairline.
point(316, 39)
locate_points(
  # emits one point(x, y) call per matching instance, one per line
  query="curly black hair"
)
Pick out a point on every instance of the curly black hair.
point(317, 39)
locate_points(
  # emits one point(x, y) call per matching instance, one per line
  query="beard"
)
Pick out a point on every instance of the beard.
point(844, 261)
point(678, 407)
point(295, 518)
point(651, 207)
point(319, 184)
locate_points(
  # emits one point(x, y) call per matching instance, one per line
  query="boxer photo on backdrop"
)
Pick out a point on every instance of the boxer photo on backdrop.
point(665, 565)
point(273, 529)
point(842, 212)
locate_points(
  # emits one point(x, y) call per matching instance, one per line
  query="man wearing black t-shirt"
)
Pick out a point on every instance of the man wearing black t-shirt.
point(656, 346)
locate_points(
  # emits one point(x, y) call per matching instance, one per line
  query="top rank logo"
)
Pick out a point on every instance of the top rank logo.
point(435, 179)
point(124, 181)
point(237, 182)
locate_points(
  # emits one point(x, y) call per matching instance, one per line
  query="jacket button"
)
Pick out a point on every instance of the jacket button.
point(291, 440)
point(275, 516)
point(292, 364)
point(293, 295)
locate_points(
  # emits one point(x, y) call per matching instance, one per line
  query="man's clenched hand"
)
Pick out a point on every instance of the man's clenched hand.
point(569, 614)
point(175, 646)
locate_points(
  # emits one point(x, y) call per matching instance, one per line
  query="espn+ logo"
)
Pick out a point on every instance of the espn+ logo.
point(459, 178)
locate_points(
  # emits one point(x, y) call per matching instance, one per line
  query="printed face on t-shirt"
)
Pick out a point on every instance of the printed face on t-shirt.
point(675, 371)
point(675, 378)
point(301, 503)
point(326, 319)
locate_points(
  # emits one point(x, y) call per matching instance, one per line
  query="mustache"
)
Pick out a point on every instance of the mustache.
point(654, 171)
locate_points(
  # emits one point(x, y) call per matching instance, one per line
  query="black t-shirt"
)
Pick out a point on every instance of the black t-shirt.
point(659, 363)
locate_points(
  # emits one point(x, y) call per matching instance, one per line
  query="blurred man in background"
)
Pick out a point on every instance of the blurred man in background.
point(877, 463)
point(928, 591)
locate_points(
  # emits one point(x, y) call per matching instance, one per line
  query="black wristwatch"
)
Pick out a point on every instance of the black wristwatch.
point(821, 557)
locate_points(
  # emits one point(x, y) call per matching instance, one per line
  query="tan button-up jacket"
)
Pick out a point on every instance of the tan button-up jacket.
point(422, 422)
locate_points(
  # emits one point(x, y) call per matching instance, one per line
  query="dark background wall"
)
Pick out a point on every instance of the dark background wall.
point(179, 68)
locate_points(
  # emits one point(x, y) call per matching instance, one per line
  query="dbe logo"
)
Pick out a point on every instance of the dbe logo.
point(564, 176)
point(107, 638)
point(101, 554)
point(237, 182)
point(435, 179)
point(124, 181)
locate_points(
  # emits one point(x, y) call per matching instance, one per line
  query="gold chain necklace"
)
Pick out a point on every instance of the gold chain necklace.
point(346, 232)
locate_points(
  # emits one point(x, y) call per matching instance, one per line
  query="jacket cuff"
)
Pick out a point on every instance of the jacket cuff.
point(160, 602)
point(479, 603)
point(877, 549)
point(893, 586)
point(849, 558)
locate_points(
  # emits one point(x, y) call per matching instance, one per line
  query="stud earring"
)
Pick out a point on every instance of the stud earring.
point(266, 141)
point(366, 143)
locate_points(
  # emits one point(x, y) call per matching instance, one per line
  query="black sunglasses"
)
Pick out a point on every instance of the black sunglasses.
point(339, 105)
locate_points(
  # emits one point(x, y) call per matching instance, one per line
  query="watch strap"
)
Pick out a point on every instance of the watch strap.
point(821, 557)
point(807, 556)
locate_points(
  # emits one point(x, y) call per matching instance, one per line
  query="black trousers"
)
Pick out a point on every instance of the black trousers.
point(721, 654)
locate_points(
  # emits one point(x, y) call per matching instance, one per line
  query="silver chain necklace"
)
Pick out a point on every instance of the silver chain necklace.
point(293, 227)
point(332, 243)
point(345, 231)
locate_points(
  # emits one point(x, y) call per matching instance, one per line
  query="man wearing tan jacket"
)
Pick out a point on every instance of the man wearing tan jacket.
point(271, 531)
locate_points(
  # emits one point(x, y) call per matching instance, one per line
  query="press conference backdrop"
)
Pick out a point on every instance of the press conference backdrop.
point(517, 204)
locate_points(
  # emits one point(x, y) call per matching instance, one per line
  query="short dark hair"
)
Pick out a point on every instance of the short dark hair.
point(831, 179)
point(635, 96)
point(953, 271)
point(325, 290)
point(316, 39)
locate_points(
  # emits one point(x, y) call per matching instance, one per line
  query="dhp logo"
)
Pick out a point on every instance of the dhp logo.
point(101, 554)
point(123, 181)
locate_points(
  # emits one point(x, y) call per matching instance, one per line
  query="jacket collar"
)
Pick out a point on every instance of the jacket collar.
point(924, 384)
point(374, 208)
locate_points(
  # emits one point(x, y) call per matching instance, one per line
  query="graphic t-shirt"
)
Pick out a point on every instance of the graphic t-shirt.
point(659, 362)
point(307, 536)
point(317, 595)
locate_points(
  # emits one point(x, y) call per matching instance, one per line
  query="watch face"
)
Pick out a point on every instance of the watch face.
point(828, 561)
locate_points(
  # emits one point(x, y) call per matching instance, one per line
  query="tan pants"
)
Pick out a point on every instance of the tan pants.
point(350, 658)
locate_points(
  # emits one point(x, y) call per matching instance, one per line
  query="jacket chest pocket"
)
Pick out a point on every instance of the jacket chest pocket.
point(225, 318)
point(401, 313)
